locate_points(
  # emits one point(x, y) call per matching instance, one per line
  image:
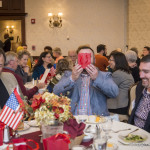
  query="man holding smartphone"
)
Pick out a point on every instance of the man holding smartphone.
point(87, 86)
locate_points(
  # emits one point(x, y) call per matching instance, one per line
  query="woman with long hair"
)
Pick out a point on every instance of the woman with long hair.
point(44, 62)
point(62, 66)
point(23, 69)
point(123, 78)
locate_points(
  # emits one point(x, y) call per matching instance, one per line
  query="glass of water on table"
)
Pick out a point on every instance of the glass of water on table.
point(82, 115)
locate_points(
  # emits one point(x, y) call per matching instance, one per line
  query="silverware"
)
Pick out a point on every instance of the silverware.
point(126, 134)
point(133, 131)
point(86, 130)
point(121, 130)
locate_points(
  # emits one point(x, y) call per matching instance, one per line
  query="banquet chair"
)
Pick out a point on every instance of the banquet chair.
point(132, 96)
point(132, 90)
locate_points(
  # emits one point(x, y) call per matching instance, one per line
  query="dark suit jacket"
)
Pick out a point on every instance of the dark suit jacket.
point(139, 95)
point(7, 45)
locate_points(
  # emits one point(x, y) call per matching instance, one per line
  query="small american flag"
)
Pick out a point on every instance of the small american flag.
point(52, 71)
point(11, 114)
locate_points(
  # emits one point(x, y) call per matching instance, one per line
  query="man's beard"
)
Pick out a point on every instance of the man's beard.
point(145, 83)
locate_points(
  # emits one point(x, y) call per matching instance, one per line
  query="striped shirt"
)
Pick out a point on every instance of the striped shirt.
point(142, 110)
point(84, 102)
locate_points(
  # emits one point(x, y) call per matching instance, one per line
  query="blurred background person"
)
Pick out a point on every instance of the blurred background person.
point(1, 44)
point(136, 51)
point(49, 49)
point(25, 47)
point(7, 43)
point(23, 69)
point(30, 59)
point(119, 49)
point(58, 54)
point(101, 61)
point(44, 62)
point(123, 78)
point(131, 57)
point(146, 51)
point(73, 55)
point(62, 66)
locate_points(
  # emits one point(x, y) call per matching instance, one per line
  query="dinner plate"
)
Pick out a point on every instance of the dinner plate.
point(26, 127)
point(102, 120)
point(124, 141)
point(32, 123)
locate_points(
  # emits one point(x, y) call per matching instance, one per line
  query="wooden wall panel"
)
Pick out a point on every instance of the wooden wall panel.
point(12, 6)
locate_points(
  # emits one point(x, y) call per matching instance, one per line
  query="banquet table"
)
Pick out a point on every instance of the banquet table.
point(34, 132)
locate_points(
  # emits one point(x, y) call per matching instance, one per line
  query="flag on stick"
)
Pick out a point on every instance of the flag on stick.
point(11, 113)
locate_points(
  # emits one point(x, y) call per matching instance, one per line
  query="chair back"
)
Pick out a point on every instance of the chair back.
point(132, 96)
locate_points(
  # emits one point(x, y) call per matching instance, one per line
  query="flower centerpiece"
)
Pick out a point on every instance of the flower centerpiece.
point(49, 107)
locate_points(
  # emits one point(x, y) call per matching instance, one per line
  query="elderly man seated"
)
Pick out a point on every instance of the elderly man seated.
point(6, 87)
point(10, 66)
point(88, 86)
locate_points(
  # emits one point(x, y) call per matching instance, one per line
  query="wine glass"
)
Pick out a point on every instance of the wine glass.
point(107, 127)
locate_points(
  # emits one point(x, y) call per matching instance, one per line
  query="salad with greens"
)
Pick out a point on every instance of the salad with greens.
point(134, 138)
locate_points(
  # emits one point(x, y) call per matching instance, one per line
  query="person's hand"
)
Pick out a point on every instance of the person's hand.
point(92, 70)
point(40, 85)
point(26, 69)
point(76, 71)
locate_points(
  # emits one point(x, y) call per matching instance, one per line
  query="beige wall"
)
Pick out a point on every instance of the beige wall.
point(139, 24)
point(84, 22)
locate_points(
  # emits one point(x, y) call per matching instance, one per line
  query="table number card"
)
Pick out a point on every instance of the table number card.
point(45, 75)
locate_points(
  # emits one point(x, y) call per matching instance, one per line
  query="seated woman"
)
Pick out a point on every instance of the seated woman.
point(131, 57)
point(123, 78)
point(44, 62)
point(23, 69)
point(62, 66)
point(57, 53)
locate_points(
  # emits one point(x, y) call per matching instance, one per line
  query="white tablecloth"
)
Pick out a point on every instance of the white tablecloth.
point(114, 136)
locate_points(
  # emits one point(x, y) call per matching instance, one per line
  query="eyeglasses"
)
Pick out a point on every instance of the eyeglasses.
point(111, 60)
point(48, 56)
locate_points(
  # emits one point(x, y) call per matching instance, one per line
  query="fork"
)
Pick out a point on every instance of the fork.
point(121, 130)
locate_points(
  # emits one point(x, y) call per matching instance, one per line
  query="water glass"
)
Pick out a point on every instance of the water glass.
point(82, 115)
point(100, 143)
point(107, 127)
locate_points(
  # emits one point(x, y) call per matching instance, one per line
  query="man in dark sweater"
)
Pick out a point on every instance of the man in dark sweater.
point(7, 43)
point(3, 91)
point(11, 66)
point(140, 115)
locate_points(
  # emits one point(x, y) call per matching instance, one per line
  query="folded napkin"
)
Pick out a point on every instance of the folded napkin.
point(73, 128)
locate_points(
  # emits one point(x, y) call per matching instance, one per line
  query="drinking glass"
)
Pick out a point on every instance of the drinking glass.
point(107, 127)
point(82, 115)
point(100, 143)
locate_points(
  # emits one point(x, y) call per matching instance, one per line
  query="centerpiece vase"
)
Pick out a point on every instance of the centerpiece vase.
point(49, 130)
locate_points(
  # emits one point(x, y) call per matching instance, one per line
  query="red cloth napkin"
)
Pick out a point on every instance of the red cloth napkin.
point(84, 59)
point(73, 128)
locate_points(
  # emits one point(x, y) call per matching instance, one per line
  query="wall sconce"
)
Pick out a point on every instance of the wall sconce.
point(10, 29)
point(55, 20)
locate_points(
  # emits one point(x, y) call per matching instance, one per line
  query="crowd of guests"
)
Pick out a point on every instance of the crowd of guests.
point(101, 87)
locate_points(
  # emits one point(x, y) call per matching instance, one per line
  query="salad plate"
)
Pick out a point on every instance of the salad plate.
point(133, 138)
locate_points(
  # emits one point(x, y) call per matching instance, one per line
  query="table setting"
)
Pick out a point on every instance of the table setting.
point(54, 123)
